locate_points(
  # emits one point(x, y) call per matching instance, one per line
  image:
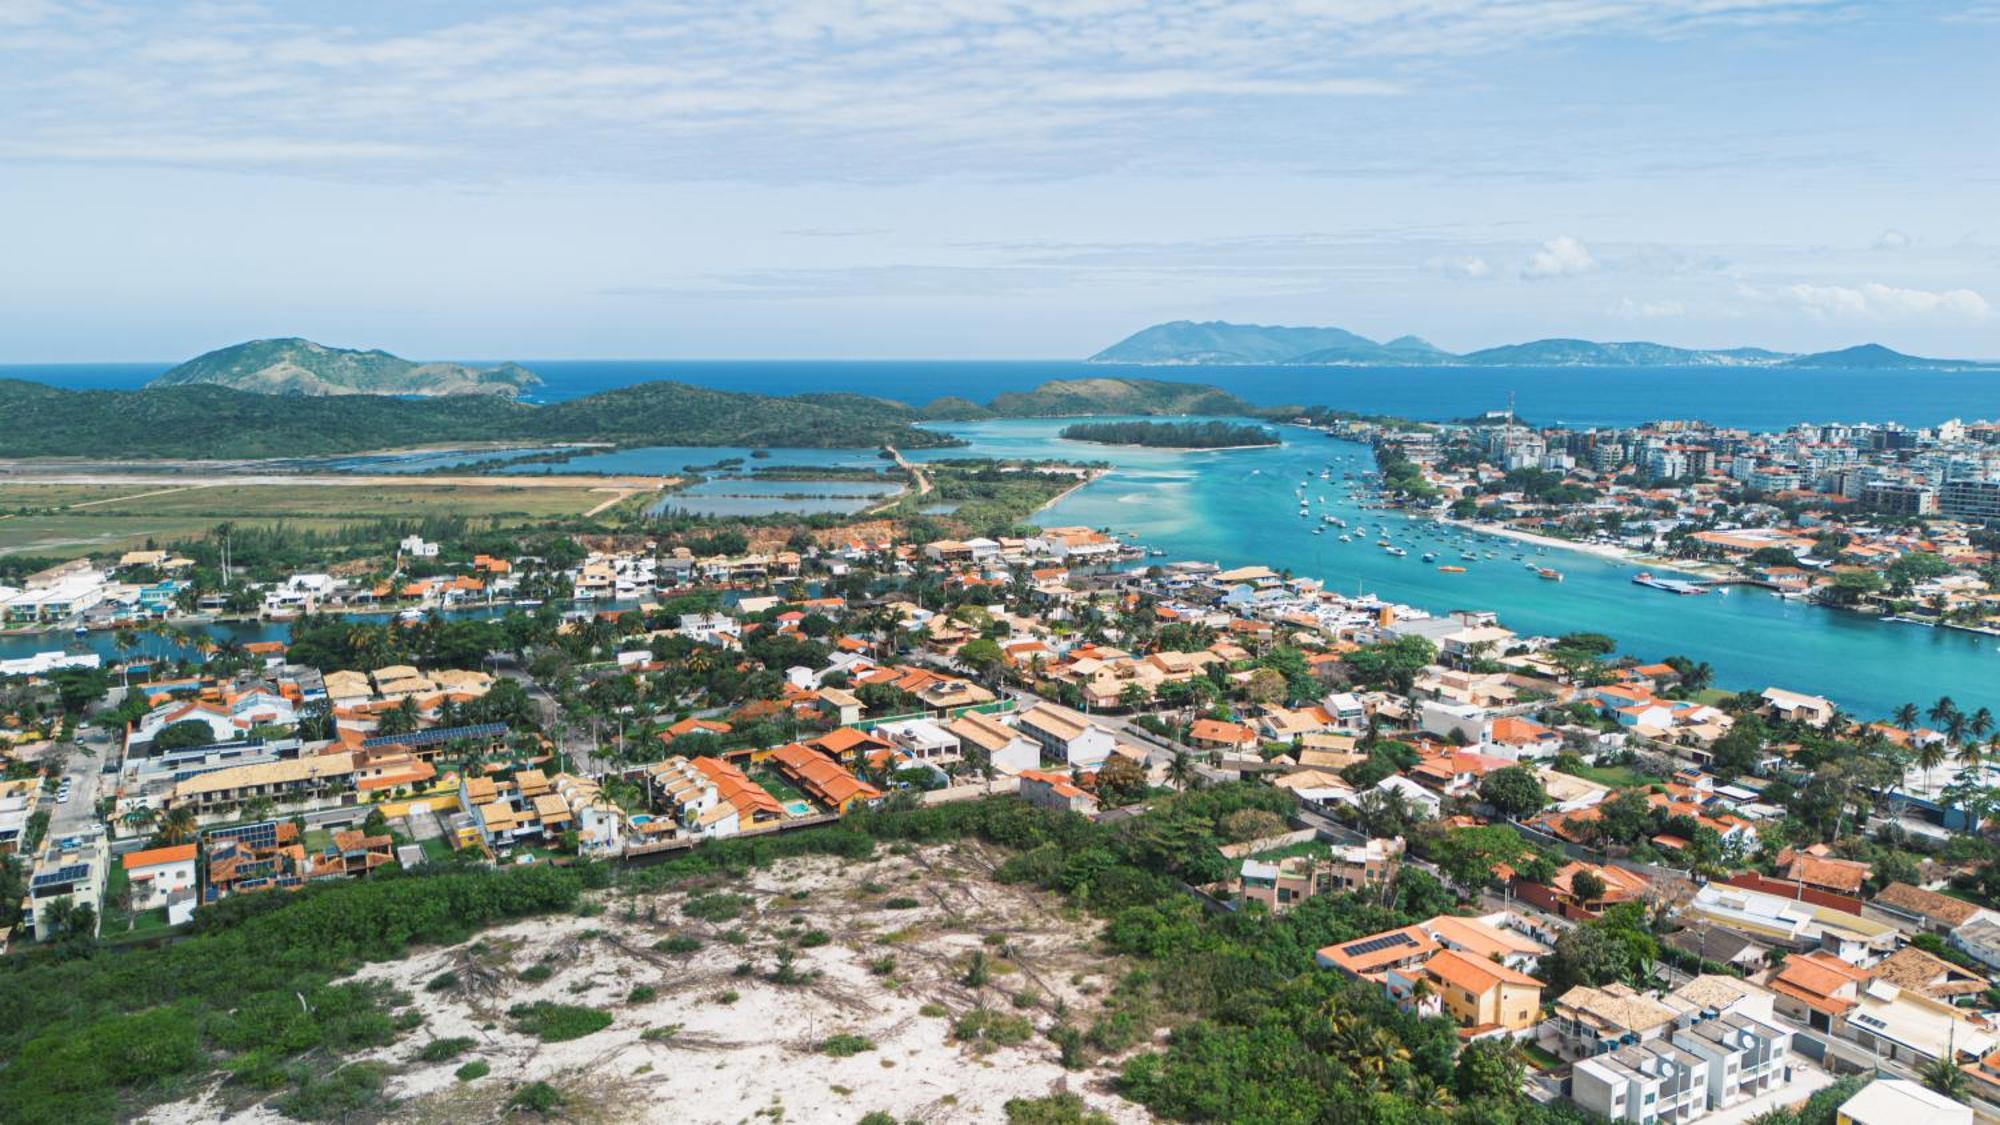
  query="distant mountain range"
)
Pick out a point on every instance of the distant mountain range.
point(1219, 343)
point(292, 366)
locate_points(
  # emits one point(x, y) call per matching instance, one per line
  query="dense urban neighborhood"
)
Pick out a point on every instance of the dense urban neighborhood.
point(1354, 857)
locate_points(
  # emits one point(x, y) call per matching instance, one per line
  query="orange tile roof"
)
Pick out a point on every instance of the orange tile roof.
point(173, 853)
point(1475, 975)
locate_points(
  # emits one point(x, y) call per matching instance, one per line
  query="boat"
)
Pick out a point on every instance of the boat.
point(1347, 539)
point(1551, 575)
point(1467, 556)
point(1397, 551)
point(1451, 570)
point(1157, 553)
point(1529, 566)
point(1430, 556)
point(1670, 585)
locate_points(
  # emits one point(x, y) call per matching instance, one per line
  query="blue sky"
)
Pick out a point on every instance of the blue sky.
point(979, 178)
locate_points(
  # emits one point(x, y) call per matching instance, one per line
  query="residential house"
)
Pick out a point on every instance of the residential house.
point(1056, 792)
point(1927, 910)
point(158, 874)
point(1283, 883)
point(1007, 749)
point(1899, 1101)
point(826, 783)
point(1066, 738)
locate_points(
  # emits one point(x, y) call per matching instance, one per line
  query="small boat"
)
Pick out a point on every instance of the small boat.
point(1551, 575)
point(1398, 552)
point(1530, 566)
point(1451, 570)
point(1430, 556)
point(1157, 553)
point(1468, 556)
point(1381, 542)
point(1347, 539)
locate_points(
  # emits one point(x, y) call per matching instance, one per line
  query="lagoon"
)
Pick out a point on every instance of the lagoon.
point(1237, 507)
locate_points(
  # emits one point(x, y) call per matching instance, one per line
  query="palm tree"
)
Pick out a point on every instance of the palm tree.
point(1930, 755)
point(1944, 1076)
point(1181, 770)
point(1955, 725)
point(1943, 709)
point(141, 818)
point(1981, 723)
point(1969, 755)
point(1906, 716)
point(179, 826)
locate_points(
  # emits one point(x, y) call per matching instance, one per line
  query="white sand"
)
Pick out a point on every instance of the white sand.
point(730, 1060)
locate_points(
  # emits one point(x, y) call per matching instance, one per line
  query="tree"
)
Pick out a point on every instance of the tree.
point(402, 719)
point(1267, 685)
point(981, 654)
point(1584, 955)
point(1181, 771)
point(1134, 697)
point(183, 735)
point(1488, 1068)
point(1392, 664)
point(1120, 780)
point(179, 826)
point(1906, 716)
point(1587, 886)
point(1943, 1076)
point(1514, 791)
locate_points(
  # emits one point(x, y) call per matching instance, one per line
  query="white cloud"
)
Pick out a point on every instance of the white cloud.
point(1874, 300)
point(1892, 239)
point(1469, 266)
point(767, 89)
point(1647, 310)
point(1561, 256)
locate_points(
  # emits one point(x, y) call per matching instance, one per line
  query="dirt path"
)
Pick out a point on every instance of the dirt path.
point(923, 481)
point(137, 496)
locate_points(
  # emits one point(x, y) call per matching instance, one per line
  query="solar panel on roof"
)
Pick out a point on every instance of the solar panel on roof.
point(1376, 944)
point(436, 735)
point(263, 833)
point(69, 874)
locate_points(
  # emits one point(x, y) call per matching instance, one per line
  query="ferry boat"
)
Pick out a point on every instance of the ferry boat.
point(1551, 575)
point(1451, 570)
point(1670, 585)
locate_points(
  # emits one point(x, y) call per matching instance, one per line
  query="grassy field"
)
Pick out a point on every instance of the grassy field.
point(76, 519)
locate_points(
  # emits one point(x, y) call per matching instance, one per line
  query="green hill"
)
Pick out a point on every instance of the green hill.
point(218, 422)
point(1064, 397)
point(292, 366)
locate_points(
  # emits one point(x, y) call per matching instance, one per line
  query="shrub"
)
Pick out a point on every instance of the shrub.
point(878, 1117)
point(844, 1045)
point(442, 982)
point(660, 1034)
point(346, 1091)
point(441, 1050)
point(474, 1070)
point(535, 974)
point(882, 966)
point(812, 938)
point(934, 1010)
point(903, 902)
point(641, 993)
point(679, 943)
point(727, 996)
point(556, 1023)
point(536, 1097)
point(717, 907)
point(986, 1029)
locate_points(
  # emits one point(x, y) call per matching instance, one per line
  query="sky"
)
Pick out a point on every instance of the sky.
point(992, 178)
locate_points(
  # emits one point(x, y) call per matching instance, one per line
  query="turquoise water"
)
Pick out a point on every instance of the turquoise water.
point(1238, 507)
point(1756, 398)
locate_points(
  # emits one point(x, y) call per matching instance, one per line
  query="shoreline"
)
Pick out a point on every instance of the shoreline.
point(1173, 448)
point(1603, 551)
point(1090, 476)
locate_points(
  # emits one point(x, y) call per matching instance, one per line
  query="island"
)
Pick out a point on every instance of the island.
point(1220, 343)
point(1172, 435)
point(293, 366)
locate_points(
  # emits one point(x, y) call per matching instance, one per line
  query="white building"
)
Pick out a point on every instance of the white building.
point(1067, 738)
point(1898, 1101)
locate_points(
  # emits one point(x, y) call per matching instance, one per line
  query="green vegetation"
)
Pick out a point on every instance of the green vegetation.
point(473, 1071)
point(444, 1050)
point(1060, 397)
point(300, 367)
point(845, 1045)
point(1171, 435)
point(91, 1039)
point(208, 421)
point(557, 1023)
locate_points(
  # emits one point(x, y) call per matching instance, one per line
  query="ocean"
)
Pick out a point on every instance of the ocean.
point(1750, 398)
